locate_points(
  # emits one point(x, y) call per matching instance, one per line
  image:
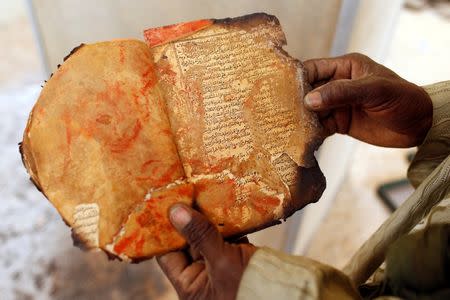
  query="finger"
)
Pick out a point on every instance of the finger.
point(324, 69)
point(349, 66)
point(336, 94)
point(173, 264)
point(324, 114)
point(200, 234)
point(330, 125)
point(318, 83)
point(195, 254)
point(188, 276)
point(199, 284)
point(320, 70)
point(339, 121)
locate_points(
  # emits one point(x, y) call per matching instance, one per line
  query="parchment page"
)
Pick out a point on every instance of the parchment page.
point(234, 103)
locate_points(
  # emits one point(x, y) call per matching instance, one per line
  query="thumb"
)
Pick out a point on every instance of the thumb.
point(200, 234)
point(335, 94)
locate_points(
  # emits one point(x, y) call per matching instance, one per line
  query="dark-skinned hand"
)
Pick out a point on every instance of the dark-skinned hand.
point(214, 268)
point(354, 95)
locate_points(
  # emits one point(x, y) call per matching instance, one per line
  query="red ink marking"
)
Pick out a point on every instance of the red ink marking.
point(112, 96)
point(164, 178)
point(168, 175)
point(265, 205)
point(144, 218)
point(121, 54)
point(167, 73)
point(147, 85)
point(139, 246)
point(149, 79)
point(166, 34)
point(200, 166)
point(116, 110)
point(104, 119)
point(147, 164)
point(185, 191)
point(218, 194)
point(196, 164)
point(68, 136)
point(125, 242)
point(200, 187)
point(116, 91)
point(150, 69)
point(149, 216)
point(125, 142)
point(136, 99)
point(221, 165)
point(143, 106)
point(67, 120)
point(269, 201)
point(157, 238)
point(41, 111)
point(166, 132)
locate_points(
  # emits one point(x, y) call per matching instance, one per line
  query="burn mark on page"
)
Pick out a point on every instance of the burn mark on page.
point(73, 51)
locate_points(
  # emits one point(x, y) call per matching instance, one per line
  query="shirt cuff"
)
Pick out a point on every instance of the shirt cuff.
point(275, 275)
point(436, 146)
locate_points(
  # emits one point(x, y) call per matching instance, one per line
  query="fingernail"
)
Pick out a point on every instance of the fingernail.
point(179, 216)
point(313, 100)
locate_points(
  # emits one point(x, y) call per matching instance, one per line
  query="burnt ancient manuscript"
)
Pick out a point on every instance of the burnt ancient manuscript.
point(208, 113)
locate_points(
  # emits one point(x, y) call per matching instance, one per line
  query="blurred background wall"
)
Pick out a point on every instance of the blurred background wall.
point(37, 258)
point(63, 24)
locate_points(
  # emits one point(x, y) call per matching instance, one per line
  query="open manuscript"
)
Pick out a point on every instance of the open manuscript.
point(208, 113)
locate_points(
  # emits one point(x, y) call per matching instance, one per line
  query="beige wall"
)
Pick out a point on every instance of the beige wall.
point(64, 24)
